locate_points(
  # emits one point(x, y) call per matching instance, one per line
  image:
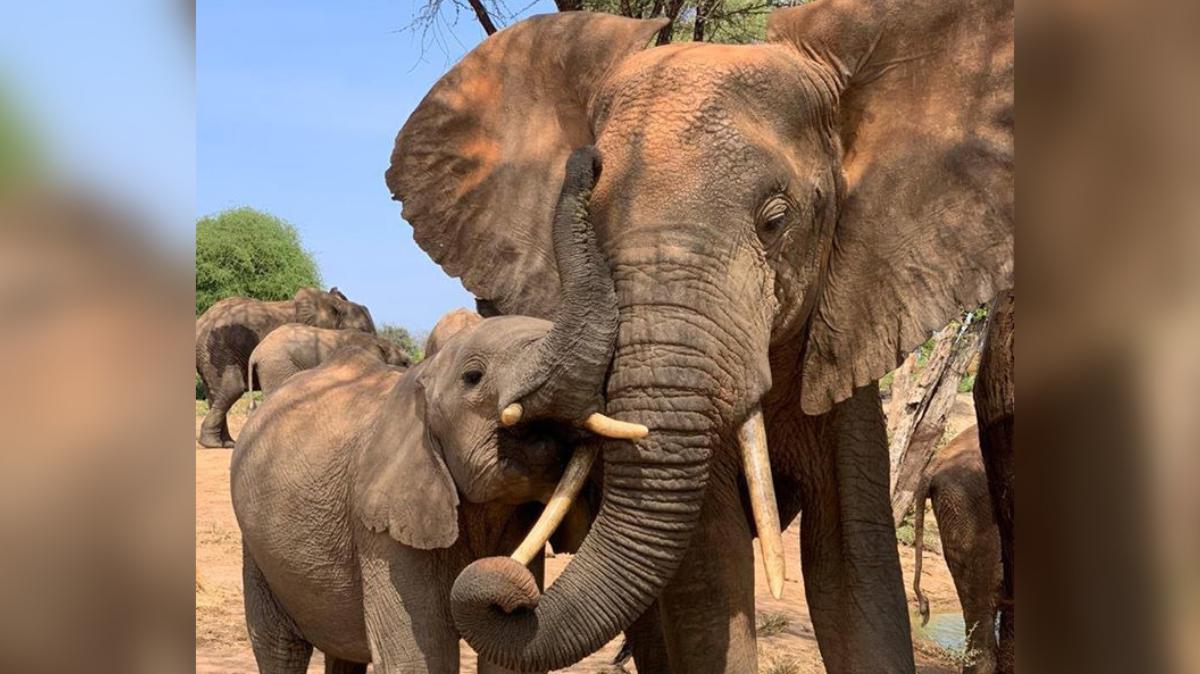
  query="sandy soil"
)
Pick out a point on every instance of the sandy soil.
point(222, 645)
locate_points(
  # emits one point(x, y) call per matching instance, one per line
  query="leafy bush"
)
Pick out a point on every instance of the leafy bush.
point(248, 253)
point(405, 340)
point(967, 383)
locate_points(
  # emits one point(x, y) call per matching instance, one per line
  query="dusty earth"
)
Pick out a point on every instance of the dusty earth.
point(786, 641)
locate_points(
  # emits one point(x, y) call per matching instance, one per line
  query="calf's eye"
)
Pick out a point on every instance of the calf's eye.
point(472, 377)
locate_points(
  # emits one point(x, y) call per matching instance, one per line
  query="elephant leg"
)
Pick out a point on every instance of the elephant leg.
point(214, 430)
point(708, 607)
point(848, 546)
point(979, 614)
point(278, 646)
point(648, 643)
point(406, 596)
point(338, 666)
point(972, 565)
point(995, 405)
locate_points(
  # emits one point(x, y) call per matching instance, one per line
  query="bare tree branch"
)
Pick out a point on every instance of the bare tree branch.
point(481, 13)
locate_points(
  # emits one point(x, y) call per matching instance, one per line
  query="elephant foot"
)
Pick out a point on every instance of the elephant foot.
point(214, 441)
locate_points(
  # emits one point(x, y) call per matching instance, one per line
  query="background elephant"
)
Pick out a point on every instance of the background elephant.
point(956, 483)
point(293, 348)
point(448, 326)
point(227, 333)
point(782, 222)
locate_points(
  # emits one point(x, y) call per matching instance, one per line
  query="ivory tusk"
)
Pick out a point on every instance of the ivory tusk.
point(612, 428)
point(511, 414)
point(752, 439)
point(557, 507)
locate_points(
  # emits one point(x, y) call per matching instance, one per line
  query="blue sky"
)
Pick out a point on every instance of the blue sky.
point(297, 107)
point(106, 91)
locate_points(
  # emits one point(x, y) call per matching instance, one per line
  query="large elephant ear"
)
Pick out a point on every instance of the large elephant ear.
point(402, 485)
point(926, 125)
point(479, 163)
point(308, 302)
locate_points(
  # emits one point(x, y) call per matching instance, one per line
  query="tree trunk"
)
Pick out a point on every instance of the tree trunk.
point(668, 32)
point(916, 438)
point(702, 9)
point(481, 13)
point(901, 396)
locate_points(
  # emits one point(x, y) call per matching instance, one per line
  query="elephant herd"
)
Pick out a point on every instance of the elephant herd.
point(697, 260)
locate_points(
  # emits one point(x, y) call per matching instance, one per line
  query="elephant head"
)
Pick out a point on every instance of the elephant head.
point(447, 430)
point(834, 195)
point(392, 354)
point(331, 310)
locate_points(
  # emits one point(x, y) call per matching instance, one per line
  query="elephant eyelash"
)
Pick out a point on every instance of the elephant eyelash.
point(775, 213)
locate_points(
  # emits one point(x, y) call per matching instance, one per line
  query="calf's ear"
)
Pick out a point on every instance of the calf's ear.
point(402, 485)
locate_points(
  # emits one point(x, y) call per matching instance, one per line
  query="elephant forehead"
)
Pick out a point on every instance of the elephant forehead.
point(682, 83)
point(503, 333)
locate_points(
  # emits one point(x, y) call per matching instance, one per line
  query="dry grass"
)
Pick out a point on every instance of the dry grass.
point(769, 624)
point(781, 665)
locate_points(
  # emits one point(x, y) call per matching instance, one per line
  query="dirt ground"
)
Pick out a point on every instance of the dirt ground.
point(786, 641)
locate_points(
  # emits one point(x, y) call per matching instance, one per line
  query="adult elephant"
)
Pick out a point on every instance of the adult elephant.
point(228, 331)
point(995, 407)
point(782, 221)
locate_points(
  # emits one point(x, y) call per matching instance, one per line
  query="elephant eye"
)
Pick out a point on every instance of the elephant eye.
point(774, 214)
point(472, 377)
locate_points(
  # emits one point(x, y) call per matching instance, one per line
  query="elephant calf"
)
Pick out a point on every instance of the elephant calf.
point(346, 484)
point(956, 483)
point(229, 330)
point(294, 348)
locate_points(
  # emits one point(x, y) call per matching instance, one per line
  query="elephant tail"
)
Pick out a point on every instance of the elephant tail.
point(250, 383)
point(919, 545)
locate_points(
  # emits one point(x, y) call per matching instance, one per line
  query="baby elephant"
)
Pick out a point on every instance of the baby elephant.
point(970, 542)
point(294, 348)
point(347, 483)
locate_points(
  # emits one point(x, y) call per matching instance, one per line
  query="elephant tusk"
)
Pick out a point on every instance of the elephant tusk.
point(752, 439)
point(557, 507)
point(596, 423)
point(511, 414)
point(612, 428)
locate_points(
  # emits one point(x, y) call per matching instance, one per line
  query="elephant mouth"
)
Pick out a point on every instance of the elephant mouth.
point(756, 464)
point(533, 457)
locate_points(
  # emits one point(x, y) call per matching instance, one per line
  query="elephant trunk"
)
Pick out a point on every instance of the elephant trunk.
point(563, 377)
point(653, 492)
point(653, 485)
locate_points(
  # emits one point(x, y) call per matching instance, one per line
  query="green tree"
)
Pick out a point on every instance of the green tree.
point(19, 153)
point(244, 252)
point(401, 336)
